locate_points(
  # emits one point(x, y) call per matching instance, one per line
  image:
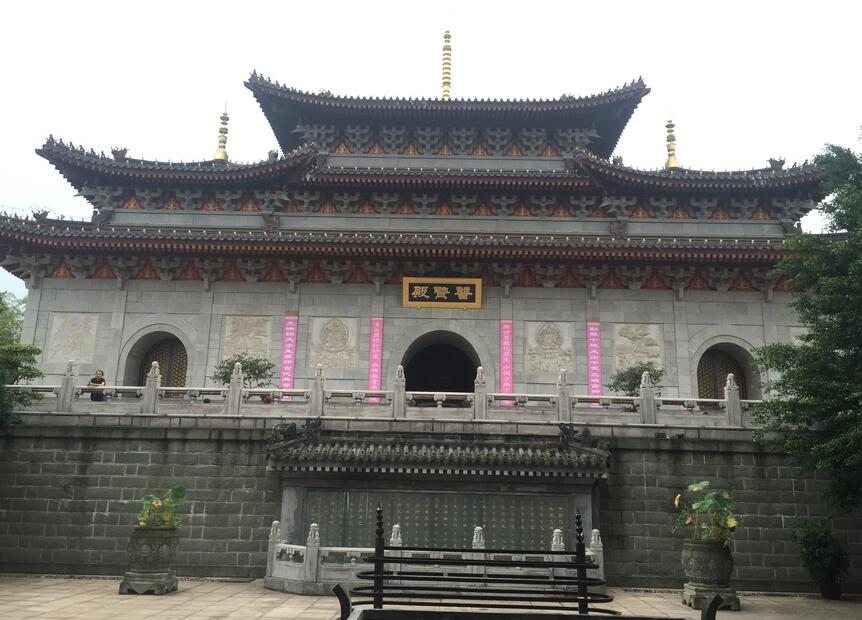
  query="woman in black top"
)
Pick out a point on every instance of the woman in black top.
point(97, 381)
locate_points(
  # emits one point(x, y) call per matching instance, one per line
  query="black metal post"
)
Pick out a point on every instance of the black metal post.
point(378, 560)
point(581, 560)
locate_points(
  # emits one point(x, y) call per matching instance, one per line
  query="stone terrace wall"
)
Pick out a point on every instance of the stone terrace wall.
point(70, 486)
point(773, 499)
point(69, 496)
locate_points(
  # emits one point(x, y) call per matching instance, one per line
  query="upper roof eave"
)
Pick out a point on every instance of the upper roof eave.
point(805, 176)
point(282, 106)
point(79, 166)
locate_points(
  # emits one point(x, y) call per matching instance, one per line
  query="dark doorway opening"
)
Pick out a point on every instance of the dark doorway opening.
point(440, 362)
point(173, 362)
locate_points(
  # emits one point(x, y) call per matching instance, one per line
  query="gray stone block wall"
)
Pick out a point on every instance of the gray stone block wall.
point(68, 498)
point(773, 498)
point(69, 495)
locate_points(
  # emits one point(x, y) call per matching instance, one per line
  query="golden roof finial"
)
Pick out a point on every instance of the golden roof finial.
point(447, 65)
point(221, 153)
point(672, 161)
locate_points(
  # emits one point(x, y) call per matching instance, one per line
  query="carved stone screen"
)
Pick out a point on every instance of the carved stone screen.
point(346, 518)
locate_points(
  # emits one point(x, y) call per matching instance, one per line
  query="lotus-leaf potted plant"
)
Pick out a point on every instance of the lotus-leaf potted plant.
point(153, 545)
point(824, 558)
point(709, 520)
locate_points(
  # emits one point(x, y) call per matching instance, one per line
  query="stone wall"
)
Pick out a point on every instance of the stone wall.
point(773, 498)
point(69, 496)
point(70, 487)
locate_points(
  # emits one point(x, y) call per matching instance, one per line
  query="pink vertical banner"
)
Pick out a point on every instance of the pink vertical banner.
point(288, 353)
point(594, 359)
point(506, 373)
point(375, 356)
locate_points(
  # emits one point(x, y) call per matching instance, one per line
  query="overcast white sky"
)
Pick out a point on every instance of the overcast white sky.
point(744, 81)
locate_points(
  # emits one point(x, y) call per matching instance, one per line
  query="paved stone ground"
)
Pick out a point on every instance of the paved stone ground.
point(49, 598)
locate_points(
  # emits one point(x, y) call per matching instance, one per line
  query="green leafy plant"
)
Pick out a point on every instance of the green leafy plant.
point(17, 364)
point(709, 516)
point(821, 553)
point(162, 512)
point(257, 371)
point(815, 410)
point(627, 381)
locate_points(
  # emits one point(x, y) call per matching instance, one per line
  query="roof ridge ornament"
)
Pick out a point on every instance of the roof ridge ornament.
point(221, 153)
point(672, 161)
point(447, 65)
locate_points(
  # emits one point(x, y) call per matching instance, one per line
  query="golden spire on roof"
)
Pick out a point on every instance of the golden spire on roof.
point(447, 65)
point(221, 153)
point(672, 161)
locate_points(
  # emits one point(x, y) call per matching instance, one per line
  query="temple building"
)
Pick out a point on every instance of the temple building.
point(430, 236)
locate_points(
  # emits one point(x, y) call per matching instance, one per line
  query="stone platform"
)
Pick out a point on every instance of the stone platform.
point(48, 598)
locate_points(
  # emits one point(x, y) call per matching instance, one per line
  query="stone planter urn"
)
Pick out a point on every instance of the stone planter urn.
point(151, 553)
point(707, 566)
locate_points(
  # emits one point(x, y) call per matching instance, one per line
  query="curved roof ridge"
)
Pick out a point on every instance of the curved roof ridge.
point(120, 159)
point(796, 170)
point(635, 87)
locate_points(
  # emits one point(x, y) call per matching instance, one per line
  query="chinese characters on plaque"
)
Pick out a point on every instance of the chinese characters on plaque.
point(442, 292)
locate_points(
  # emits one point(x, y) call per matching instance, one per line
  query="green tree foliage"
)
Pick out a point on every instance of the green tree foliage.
point(627, 381)
point(11, 314)
point(17, 363)
point(815, 413)
point(257, 371)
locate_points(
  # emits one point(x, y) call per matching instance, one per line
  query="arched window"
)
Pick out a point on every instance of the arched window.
point(712, 371)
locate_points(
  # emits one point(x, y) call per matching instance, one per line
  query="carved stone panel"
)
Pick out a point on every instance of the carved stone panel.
point(250, 335)
point(637, 342)
point(549, 347)
point(333, 342)
point(71, 336)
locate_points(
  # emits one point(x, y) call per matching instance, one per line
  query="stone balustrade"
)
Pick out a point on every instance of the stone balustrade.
point(314, 569)
point(649, 407)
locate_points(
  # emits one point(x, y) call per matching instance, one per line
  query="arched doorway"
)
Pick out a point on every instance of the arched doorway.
point(440, 361)
point(162, 347)
point(173, 362)
point(712, 370)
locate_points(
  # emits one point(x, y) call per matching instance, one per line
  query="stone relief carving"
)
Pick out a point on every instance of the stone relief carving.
point(637, 342)
point(549, 347)
point(247, 334)
point(333, 342)
point(72, 337)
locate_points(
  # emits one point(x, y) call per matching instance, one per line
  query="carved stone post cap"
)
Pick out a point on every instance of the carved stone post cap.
point(154, 370)
point(731, 381)
point(646, 380)
point(71, 368)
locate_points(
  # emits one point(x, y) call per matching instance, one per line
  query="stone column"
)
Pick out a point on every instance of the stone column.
point(480, 396)
point(598, 551)
point(648, 403)
point(731, 402)
point(318, 384)
point(67, 388)
point(564, 402)
point(150, 403)
point(399, 394)
point(233, 398)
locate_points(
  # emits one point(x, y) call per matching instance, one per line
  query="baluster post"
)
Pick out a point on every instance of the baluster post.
point(399, 394)
point(564, 401)
point(150, 404)
point(318, 384)
point(67, 388)
point(233, 399)
point(648, 404)
point(731, 402)
point(480, 395)
point(312, 554)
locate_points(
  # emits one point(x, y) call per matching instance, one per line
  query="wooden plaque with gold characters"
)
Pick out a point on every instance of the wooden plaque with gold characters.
point(434, 292)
